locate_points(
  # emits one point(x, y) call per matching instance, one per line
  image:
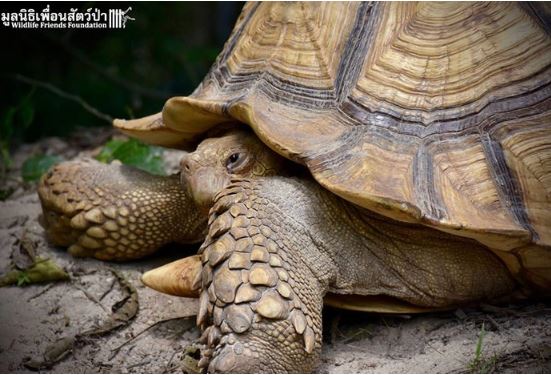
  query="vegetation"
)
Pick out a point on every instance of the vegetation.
point(480, 363)
point(55, 80)
point(135, 153)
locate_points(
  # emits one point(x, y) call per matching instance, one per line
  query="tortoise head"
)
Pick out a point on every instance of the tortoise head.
point(236, 153)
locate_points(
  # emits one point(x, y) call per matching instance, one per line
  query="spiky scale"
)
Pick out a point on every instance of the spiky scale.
point(262, 274)
point(246, 293)
point(272, 306)
point(225, 284)
point(298, 320)
point(309, 340)
point(239, 317)
point(95, 216)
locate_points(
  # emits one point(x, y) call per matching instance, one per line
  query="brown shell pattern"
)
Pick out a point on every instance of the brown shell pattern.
point(436, 113)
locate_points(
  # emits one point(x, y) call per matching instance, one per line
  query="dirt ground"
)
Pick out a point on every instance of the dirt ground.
point(70, 315)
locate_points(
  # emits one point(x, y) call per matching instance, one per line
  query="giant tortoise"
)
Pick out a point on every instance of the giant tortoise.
point(391, 157)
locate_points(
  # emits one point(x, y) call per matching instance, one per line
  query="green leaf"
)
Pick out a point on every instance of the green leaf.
point(27, 113)
point(478, 351)
point(134, 153)
point(35, 166)
point(106, 154)
point(41, 271)
point(23, 278)
point(5, 193)
point(6, 127)
point(5, 155)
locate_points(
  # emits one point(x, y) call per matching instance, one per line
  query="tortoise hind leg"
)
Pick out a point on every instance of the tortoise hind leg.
point(115, 212)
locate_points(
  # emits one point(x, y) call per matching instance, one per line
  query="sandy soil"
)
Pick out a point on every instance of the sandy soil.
point(32, 318)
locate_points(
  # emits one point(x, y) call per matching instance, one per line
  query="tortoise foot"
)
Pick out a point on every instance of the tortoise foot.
point(114, 212)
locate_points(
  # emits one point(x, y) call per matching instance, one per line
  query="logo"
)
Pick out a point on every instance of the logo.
point(74, 19)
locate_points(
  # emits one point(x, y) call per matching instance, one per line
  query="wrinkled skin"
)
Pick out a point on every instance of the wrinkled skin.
point(277, 245)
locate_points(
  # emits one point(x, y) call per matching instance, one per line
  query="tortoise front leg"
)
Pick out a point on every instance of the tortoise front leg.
point(116, 212)
point(262, 293)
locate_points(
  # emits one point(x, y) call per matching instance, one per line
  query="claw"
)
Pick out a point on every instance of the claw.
point(180, 278)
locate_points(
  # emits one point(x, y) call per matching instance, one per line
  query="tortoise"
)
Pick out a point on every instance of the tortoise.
point(388, 157)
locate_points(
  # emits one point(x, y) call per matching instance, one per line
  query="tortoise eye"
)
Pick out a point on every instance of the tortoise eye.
point(233, 158)
point(234, 161)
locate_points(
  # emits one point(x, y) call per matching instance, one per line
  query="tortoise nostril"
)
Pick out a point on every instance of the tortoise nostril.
point(184, 165)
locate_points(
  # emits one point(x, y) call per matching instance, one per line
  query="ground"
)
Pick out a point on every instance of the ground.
point(89, 323)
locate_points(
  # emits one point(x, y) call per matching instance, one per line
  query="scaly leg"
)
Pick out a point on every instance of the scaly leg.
point(116, 212)
point(277, 245)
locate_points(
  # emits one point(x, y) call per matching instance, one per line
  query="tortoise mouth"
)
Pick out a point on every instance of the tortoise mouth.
point(202, 184)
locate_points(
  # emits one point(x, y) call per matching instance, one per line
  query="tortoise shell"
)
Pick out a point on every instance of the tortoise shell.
point(431, 113)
